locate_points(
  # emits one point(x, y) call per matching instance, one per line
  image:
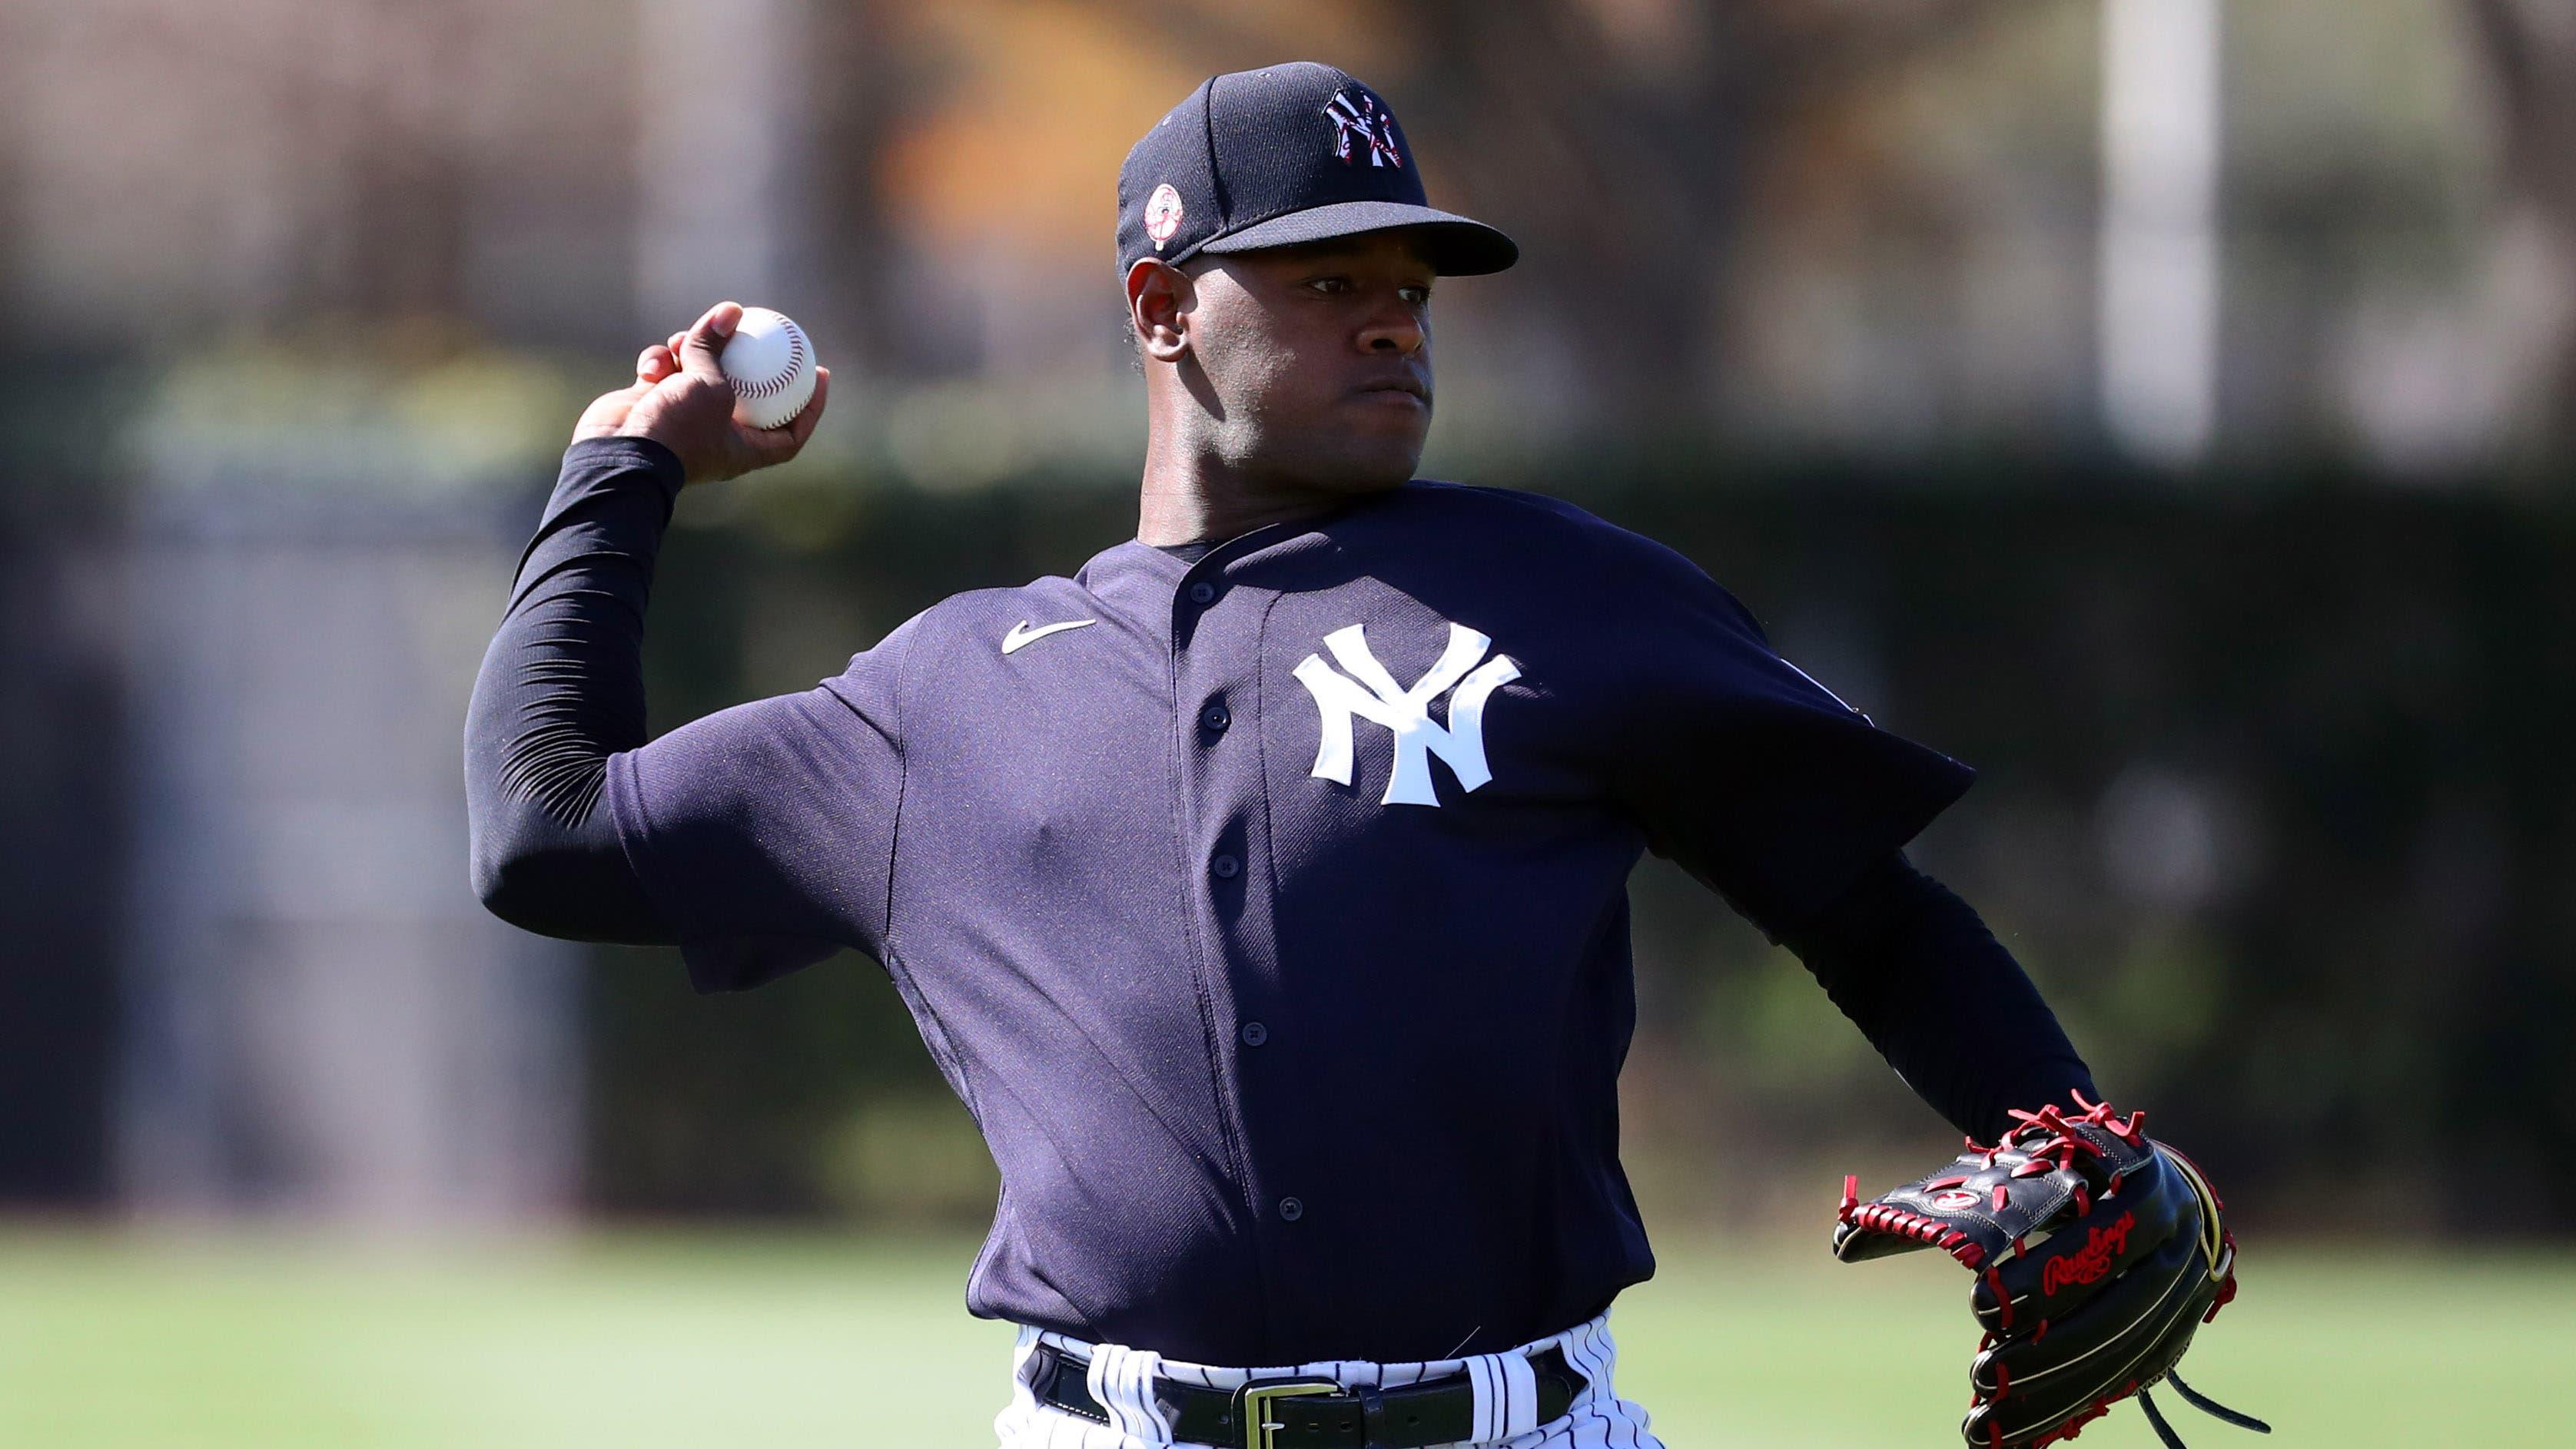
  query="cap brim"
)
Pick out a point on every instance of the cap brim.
point(1460, 246)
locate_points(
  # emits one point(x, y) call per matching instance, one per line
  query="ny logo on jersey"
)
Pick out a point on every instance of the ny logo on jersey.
point(1406, 712)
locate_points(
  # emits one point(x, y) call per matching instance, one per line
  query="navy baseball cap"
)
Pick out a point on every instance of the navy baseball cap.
point(1287, 154)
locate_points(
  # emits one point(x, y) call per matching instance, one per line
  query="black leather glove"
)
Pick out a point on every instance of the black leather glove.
point(2098, 1253)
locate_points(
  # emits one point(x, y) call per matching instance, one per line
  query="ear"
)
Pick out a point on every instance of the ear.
point(1160, 297)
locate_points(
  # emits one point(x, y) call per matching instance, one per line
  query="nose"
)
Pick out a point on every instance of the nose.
point(1393, 326)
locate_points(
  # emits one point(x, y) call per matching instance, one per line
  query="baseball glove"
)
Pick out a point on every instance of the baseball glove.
point(2098, 1253)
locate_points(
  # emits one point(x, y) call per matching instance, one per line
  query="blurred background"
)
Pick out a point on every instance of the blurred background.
point(2167, 406)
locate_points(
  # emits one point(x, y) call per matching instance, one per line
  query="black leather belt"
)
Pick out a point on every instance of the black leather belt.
point(1308, 1413)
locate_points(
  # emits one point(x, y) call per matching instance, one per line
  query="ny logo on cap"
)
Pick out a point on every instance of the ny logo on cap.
point(1406, 712)
point(1364, 123)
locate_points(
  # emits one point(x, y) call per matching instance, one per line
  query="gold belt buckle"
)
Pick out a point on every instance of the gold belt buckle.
point(1254, 1399)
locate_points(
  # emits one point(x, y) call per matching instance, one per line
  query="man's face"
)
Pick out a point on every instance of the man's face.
point(1315, 360)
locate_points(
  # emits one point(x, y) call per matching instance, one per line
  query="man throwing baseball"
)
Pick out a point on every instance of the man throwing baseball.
point(1261, 888)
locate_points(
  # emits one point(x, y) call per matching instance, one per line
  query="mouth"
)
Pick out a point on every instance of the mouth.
point(1398, 391)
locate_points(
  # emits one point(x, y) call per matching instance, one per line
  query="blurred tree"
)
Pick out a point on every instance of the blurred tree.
point(863, 87)
point(403, 150)
point(1622, 140)
point(1623, 136)
point(14, 34)
point(2530, 49)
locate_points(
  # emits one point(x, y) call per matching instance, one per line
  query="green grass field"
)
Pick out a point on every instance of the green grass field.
point(698, 1341)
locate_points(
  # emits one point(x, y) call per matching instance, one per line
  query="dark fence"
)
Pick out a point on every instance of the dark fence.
point(2275, 804)
point(62, 867)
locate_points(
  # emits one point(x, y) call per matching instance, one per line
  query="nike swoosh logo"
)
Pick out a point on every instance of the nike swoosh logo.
point(1022, 635)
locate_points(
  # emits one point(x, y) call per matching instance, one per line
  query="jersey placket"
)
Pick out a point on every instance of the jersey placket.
point(1216, 663)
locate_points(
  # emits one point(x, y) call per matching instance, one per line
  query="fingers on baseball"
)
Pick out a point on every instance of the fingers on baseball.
point(706, 337)
point(777, 445)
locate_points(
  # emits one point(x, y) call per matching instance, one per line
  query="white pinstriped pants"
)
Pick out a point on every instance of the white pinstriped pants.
point(1122, 1379)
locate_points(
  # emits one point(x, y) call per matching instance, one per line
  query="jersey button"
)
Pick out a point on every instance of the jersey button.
point(1290, 1209)
point(1254, 1033)
point(1202, 592)
point(1226, 867)
point(1216, 717)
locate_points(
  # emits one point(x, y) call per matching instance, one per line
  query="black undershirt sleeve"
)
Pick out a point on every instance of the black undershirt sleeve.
point(562, 689)
point(1917, 971)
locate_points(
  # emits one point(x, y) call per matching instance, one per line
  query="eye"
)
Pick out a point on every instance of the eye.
point(1330, 286)
point(1418, 296)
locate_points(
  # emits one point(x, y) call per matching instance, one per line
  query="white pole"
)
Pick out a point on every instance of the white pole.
point(2159, 277)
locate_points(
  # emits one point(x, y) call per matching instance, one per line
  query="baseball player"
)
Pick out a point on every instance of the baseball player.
point(1260, 888)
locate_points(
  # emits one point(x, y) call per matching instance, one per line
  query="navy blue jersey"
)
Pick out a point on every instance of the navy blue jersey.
point(1269, 911)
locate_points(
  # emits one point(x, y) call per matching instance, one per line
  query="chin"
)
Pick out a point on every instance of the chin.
point(1373, 474)
point(1365, 463)
point(1341, 458)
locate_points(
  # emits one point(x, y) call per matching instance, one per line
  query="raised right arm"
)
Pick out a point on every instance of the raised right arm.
point(562, 689)
point(560, 699)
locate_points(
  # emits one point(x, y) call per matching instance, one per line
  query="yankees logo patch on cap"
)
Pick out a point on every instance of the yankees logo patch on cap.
point(1162, 214)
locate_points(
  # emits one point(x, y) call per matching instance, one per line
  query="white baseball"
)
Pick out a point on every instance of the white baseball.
point(770, 363)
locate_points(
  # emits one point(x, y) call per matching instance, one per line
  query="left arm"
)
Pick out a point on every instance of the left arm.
point(1796, 808)
point(1917, 971)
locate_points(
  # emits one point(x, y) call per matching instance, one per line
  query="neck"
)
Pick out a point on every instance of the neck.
point(1191, 495)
